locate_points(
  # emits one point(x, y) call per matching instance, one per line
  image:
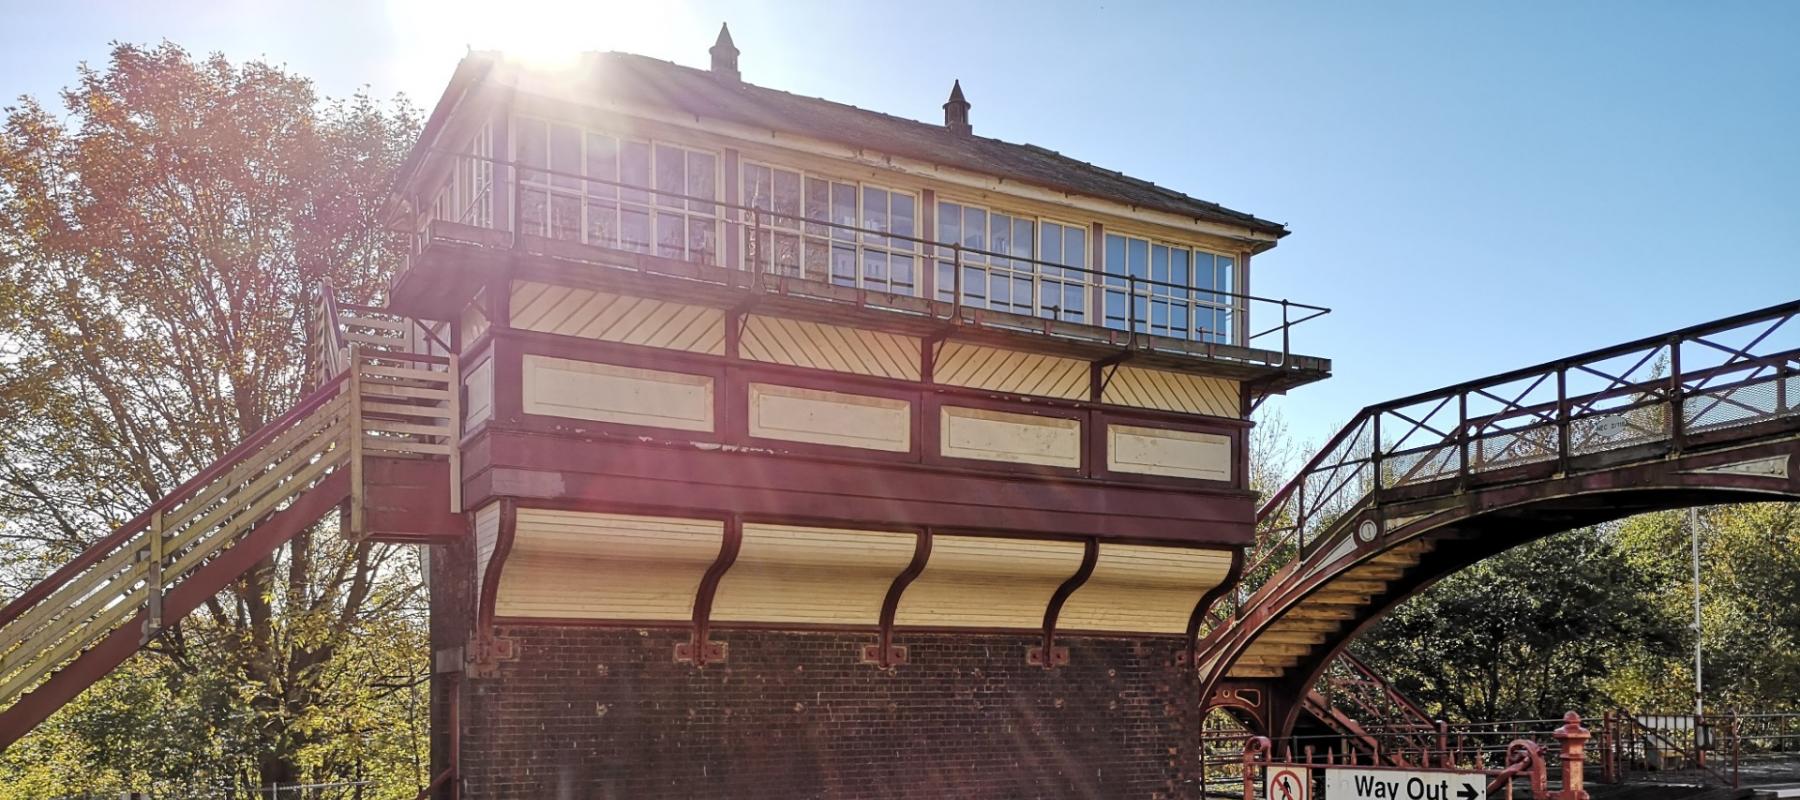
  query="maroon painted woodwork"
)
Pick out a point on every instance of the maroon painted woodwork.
point(405, 501)
point(774, 488)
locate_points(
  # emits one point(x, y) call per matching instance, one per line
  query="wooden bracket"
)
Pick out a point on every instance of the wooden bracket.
point(1049, 655)
point(153, 619)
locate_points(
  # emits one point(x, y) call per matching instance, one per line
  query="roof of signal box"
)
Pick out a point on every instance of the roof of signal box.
point(633, 79)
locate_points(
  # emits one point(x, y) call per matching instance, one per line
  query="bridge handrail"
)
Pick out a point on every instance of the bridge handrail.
point(1531, 421)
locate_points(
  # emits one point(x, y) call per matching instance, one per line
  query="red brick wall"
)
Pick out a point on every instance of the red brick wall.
point(588, 712)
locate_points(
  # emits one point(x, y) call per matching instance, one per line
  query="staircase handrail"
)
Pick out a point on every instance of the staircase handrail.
point(99, 550)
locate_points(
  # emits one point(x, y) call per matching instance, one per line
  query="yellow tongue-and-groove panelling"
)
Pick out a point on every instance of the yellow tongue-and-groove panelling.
point(569, 564)
point(617, 318)
point(630, 568)
point(811, 575)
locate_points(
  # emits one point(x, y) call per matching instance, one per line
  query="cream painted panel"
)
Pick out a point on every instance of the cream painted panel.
point(1010, 371)
point(833, 347)
point(1171, 391)
point(1143, 589)
point(579, 565)
point(617, 318)
point(1005, 436)
point(795, 414)
point(487, 537)
point(1160, 451)
point(609, 393)
point(479, 386)
point(786, 574)
point(979, 582)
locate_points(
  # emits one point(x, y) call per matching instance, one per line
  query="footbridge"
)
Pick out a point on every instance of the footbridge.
point(1417, 488)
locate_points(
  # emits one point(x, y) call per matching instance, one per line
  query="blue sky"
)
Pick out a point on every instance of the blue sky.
point(1472, 187)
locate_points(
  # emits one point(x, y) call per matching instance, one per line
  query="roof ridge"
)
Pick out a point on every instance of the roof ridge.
point(747, 90)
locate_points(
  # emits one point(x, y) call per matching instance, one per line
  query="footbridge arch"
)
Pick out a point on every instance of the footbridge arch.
point(1415, 489)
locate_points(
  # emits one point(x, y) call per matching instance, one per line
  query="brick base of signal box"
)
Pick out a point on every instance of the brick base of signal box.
point(591, 712)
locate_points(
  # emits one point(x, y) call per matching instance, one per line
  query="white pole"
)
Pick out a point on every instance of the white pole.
point(1694, 536)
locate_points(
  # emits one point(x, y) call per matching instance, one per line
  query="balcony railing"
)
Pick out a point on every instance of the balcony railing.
point(566, 207)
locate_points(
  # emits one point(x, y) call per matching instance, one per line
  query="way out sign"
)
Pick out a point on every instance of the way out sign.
point(1287, 782)
point(1396, 784)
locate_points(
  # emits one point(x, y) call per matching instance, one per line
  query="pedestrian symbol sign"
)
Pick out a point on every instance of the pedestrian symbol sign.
point(1287, 782)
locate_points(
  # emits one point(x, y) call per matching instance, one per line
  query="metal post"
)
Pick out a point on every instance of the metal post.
point(1677, 422)
point(956, 281)
point(1573, 739)
point(1699, 685)
point(1562, 418)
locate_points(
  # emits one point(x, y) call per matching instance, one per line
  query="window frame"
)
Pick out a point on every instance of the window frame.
point(1192, 300)
point(590, 195)
point(807, 235)
point(1035, 262)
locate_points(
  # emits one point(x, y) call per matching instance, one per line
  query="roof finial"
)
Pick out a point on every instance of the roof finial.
point(956, 112)
point(725, 55)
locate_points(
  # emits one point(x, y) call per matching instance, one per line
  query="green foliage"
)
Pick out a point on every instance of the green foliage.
point(1527, 634)
point(158, 242)
point(1602, 618)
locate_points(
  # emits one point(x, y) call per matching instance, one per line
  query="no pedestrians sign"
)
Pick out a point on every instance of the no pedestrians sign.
point(1287, 782)
point(1397, 784)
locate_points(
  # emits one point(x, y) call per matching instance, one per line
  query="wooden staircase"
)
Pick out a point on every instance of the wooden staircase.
point(375, 400)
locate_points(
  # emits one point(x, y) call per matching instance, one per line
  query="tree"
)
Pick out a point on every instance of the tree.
point(157, 247)
point(1527, 634)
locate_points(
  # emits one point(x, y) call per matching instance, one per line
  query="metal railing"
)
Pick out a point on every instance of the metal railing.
point(1149, 307)
point(1656, 391)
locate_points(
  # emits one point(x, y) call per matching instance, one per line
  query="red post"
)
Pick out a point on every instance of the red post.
point(1573, 739)
point(1609, 761)
point(1255, 747)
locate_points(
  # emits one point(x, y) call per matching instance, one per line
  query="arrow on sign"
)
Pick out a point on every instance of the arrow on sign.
point(1467, 792)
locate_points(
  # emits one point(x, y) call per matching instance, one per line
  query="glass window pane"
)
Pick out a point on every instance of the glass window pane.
point(875, 214)
point(1159, 267)
point(533, 205)
point(703, 236)
point(875, 266)
point(702, 180)
point(603, 223)
point(975, 230)
point(1223, 282)
point(949, 222)
point(843, 210)
point(1050, 243)
point(671, 175)
point(1137, 258)
point(1000, 236)
point(1075, 248)
point(843, 265)
point(817, 205)
point(634, 229)
point(671, 235)
point(565, 217)
point(1115, 310)
point(1021, 238)
point(945, 279)
point(1178, 269)
point(530, 150)
point(565, 154)
point(787, 199)
point(634, 169)
point(900, 217)
point(757, 187)
point(818, 259)
point(1115, 256)
point(900, 272)
point(602, 163)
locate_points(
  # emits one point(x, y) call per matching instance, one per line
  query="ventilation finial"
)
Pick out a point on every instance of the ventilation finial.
point(956, 112)
point(724, 55)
